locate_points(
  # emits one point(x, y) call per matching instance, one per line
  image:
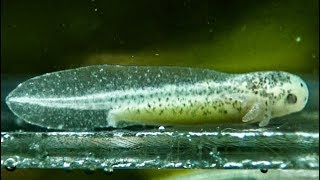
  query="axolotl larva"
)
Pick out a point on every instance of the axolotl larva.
point(119, 96)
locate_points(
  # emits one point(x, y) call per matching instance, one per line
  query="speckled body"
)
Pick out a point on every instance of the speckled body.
point(117, 96)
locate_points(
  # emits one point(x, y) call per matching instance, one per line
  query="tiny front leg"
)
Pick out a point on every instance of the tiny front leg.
point(254, 113)
point(259, 112)
point(266, 118)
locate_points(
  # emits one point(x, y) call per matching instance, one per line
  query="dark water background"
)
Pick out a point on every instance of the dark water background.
point(233, 36)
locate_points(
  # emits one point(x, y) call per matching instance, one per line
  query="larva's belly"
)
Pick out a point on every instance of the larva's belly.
point(183, 113)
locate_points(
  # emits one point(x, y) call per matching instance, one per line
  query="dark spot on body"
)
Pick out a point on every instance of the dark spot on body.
point(161, 112)
point(254, 86)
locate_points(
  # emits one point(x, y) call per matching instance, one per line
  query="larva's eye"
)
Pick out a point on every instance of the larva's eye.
point(291, 98)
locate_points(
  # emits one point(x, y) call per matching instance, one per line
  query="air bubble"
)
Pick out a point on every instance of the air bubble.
point(108, 170)
point(161, 128)
point(66, 165)
point(10, 164)
point(264, 170)
point(188, 164)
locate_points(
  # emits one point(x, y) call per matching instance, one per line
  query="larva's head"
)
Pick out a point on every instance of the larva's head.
point(290, 93)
